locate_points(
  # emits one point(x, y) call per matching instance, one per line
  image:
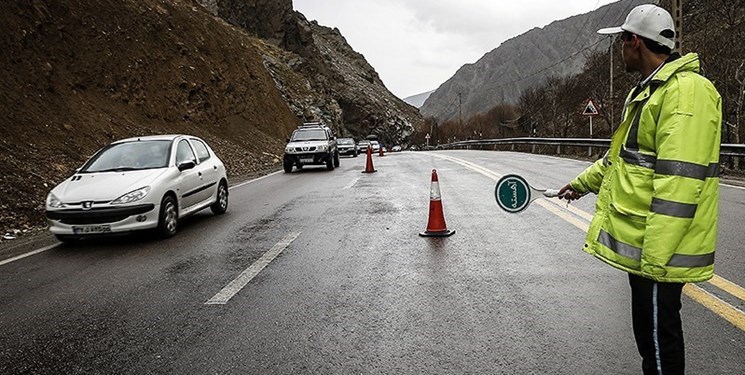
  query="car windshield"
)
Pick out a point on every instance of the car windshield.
point(309, 135)
point(130, 156)
point(345, 141)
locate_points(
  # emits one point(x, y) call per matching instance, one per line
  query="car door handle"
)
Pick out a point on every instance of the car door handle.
point(214, 167)
point(200, 174)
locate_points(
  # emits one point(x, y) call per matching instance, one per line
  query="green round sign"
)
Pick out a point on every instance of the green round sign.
point(512, 193)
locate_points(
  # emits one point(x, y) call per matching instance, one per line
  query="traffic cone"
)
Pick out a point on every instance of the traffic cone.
point(369, 168)
point(380, 151)
point(436, 226)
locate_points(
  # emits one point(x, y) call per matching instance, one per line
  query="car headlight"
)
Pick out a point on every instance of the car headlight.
point(288, 150)
point(322, 148)
point(132, 196)
point(54, 202)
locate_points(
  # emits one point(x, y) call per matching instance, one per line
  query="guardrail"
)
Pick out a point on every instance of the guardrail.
point(726, 149)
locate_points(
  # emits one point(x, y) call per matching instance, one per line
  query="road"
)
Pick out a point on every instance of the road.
point(349, 287)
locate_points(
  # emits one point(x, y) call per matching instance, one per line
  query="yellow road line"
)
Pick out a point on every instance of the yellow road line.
point(562, 214)
point(719, 307)
point(711, 302)
point(575, 210)
point(728, 286)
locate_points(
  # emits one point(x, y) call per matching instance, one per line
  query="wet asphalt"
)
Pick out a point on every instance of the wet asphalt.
point(358, 291)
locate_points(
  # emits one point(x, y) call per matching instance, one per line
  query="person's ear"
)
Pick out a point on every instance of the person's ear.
point(636, 41)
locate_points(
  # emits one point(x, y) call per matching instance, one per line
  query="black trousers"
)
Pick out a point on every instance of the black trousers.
point(655, 312)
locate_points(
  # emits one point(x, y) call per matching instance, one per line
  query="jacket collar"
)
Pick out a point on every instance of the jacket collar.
point(675, 64)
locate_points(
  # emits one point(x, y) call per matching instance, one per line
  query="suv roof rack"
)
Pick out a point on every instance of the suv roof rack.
point(312, 125)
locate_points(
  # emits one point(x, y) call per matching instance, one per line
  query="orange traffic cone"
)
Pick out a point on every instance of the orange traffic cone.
point(380, 151)
point(369, 168)
point(436, 226)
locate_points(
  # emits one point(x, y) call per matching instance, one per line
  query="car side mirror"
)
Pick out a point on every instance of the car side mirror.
point(186, 165)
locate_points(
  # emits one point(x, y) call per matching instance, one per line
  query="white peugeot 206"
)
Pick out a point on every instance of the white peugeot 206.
point(138, 183)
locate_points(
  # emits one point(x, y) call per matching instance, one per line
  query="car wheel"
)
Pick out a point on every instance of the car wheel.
point(336, 159)
point(287, 166)
point(330, 162)
point(221, 203)
point(168, 219)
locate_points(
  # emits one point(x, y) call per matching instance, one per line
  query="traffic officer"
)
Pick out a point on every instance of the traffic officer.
point(657, 187)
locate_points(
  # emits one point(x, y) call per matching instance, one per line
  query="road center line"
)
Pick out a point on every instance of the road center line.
point(719, 307)
point(235, 286)
point(728, 286)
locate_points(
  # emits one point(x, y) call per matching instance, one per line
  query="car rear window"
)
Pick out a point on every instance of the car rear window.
point(201, 149)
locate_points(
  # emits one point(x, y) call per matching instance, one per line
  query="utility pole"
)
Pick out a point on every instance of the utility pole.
point(678, 20)
point(611, 96)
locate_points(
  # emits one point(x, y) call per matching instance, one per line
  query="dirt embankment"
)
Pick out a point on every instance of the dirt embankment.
point(78, 74)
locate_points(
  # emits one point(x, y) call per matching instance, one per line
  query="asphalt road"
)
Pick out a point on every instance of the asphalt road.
point(354, 289)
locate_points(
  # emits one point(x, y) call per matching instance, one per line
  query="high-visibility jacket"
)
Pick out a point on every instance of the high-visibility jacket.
point(658, 185)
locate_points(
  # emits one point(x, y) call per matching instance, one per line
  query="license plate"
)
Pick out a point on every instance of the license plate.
point(92, 229)
point(306, 160)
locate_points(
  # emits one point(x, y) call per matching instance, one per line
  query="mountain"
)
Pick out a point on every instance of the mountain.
point(525, 61)
point(242, 74)
point(319, 74)
point(419, 99)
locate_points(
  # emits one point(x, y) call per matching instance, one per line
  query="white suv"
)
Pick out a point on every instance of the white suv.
point(311, 143)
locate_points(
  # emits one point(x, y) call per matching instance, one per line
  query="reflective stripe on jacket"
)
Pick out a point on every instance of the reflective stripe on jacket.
point(658, 186)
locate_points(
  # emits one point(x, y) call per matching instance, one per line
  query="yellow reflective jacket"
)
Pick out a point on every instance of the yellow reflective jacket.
point(658, 186)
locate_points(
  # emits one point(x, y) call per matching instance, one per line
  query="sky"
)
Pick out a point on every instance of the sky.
point(416, 45)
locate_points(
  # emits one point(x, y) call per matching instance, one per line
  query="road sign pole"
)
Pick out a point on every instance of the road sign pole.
point(589, 152)
point(590, 111)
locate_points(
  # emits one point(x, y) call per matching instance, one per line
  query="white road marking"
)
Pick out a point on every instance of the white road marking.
point(235, 286)
point(252, 181)
point(732, 186)
point(43, 249)
point(349, 185)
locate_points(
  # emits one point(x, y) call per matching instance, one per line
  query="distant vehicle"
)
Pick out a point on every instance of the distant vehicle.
point(362, 146)
point(311, 143)
point(396, 148)
point(375, 146)
point(346, 146)
point(138, 183)
point(413, 148)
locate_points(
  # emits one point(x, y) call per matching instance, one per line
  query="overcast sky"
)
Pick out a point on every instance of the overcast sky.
point(416, 45)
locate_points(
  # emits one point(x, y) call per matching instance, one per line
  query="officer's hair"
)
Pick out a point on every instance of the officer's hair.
point(651, 44)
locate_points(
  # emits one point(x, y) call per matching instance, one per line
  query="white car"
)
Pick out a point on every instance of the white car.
point(138, 183)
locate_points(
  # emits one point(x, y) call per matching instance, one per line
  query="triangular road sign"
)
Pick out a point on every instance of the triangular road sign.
point(590, 109)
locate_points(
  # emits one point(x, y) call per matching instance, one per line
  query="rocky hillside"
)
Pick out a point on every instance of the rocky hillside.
point(318, 72)
point(78, 74)
point(502, 75)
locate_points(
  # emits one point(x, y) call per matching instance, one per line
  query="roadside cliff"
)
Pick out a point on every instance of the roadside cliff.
point(78, 74)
